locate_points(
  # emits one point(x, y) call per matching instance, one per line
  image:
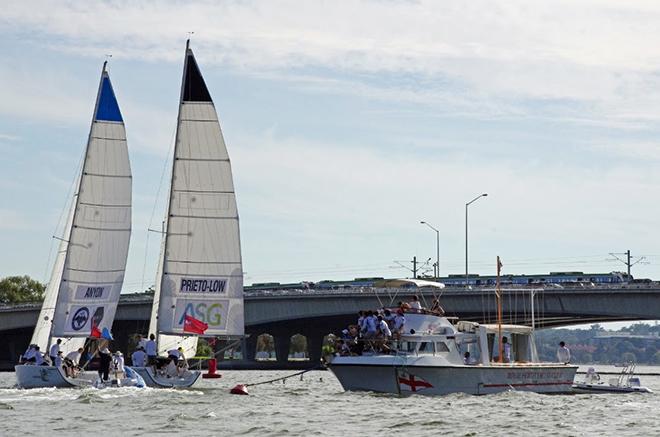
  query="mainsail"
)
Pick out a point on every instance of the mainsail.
point(201, 272)
point(95, 252)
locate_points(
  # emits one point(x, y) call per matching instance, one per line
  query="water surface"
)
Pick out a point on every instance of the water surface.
point(316, 405)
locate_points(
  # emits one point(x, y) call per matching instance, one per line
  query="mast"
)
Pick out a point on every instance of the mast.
point(498, 295)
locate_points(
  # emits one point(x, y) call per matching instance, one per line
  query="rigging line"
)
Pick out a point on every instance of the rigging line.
point(153, 209)
point(63, 213)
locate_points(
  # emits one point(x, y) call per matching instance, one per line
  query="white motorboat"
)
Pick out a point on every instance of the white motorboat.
point(82, 294)
point(626, 382)
point(434, 356)
point(199, 285)
point(429, 360)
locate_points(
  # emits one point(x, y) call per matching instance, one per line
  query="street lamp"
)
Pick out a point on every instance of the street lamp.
point(437, 249)
point(466, 234)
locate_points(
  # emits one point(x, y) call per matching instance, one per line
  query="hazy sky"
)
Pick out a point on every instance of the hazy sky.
point(349, 122)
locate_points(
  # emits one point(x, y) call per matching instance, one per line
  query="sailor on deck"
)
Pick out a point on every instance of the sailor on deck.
point(71, 362)
point(151, 349)
point(118, 365)
point(54, 350)
point(139, 357)
point(30, 354)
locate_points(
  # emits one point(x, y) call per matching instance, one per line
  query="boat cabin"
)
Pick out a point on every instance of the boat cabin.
point(435, 335)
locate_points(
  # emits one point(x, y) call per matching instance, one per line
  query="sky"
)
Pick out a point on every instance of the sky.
point(347, 124)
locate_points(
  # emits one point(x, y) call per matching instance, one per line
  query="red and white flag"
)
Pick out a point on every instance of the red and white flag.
point(408, 382)
point(96, 332)
point(193, 325)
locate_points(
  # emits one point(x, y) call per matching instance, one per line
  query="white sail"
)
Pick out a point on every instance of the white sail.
point(41, 334)
point(167, 342)
point(95, 261)
point(202, 275)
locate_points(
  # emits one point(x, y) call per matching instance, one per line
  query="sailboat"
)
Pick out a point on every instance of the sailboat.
point(199, 285)
point(82, 294)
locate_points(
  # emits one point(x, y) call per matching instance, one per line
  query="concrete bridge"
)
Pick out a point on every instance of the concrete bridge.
point(314, 314)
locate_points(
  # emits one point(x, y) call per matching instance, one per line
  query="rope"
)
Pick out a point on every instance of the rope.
point(284, 377)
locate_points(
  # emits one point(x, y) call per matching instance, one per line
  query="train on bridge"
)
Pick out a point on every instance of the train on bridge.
point(552, 278)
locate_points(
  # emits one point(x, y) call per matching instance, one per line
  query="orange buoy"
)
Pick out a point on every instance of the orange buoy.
point(213, 366)
point(240, 389)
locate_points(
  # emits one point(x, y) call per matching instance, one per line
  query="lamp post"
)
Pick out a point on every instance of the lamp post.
point(437, 249)
point(466, 234)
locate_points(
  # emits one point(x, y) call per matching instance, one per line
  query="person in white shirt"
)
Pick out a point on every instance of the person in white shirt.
point(54, 350)
point(370, 325)
point(399, 322)
point(139, 357)
point(38, 357)
point(415, 304)
point(71, 362)
point(118, 365)
point(151, 350)
point(563, 353)
point(30, 353)
point(506, 347)
point(383, 328)
point(141, 342)
point(173, 354)
point(58, 359)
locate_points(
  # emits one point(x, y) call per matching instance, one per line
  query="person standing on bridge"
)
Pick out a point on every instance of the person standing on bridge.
point(563, 353)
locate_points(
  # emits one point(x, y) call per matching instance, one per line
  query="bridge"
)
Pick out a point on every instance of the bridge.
point(314, 314)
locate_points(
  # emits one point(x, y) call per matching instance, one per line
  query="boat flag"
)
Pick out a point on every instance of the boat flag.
point(96, 332)
point(106, 334)
point(196, 326)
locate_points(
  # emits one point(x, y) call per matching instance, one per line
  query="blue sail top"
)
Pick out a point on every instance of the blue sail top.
point(107, 109)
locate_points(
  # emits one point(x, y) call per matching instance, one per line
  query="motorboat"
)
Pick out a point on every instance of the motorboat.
point(430, 359)
point(626, 382)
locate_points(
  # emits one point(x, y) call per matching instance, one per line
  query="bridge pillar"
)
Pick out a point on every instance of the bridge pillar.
point(249, 347)
point(314, 346)
point(282, 346)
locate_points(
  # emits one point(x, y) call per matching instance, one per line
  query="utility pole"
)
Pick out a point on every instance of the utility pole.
point(628, 261)
point(414, 267)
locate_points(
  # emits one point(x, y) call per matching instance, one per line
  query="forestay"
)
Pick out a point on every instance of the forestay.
point(95, 260)
point(202, 273)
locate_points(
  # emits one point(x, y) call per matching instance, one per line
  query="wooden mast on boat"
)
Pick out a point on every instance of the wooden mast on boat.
point(498, 296)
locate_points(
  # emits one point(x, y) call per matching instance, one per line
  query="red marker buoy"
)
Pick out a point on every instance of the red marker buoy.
point(240, 389)
point(213, 366)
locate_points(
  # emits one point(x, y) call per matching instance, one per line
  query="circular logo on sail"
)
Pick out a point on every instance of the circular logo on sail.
point(80, 318)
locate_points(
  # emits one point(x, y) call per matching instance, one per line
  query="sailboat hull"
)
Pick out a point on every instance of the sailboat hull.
point(30, 376)
point(160, 381)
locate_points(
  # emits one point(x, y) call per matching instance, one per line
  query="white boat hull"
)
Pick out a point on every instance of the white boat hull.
point(442, 380)
point(606, 388)
point(160, 381)
point(31, 376)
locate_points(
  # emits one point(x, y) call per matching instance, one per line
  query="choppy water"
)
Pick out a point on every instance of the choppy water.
point(318, 406)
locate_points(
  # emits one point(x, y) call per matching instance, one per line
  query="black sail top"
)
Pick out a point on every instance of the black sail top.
point(194, 88)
